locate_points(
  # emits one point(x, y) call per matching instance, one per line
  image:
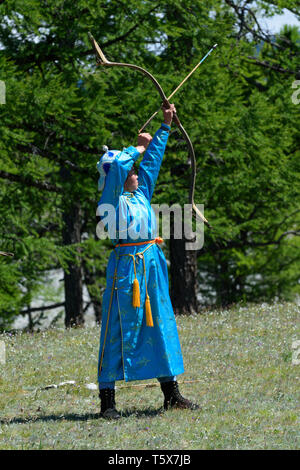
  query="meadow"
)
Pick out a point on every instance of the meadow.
point(242, 370)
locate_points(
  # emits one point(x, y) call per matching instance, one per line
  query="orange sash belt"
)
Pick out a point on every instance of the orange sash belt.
point(136, 300)
point(157, 240)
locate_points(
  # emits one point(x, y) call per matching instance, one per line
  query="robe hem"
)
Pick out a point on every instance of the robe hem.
point(129, 379)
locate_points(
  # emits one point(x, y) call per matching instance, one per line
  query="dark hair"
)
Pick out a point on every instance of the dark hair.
point(133, 171)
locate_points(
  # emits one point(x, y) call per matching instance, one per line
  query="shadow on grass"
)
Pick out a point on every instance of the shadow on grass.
point(146, 413)
point(138, 413)
point(60, 417)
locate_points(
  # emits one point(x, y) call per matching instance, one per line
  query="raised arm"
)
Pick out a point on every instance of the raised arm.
point(150, 165)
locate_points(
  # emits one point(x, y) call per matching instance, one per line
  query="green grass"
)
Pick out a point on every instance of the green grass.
point(248, 388)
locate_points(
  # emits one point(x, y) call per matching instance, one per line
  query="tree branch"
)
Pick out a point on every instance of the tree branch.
point(29, 182)
point(266, 64)
point(34, 150)
point(39, 309)
point(259, 34)
point(32, 59)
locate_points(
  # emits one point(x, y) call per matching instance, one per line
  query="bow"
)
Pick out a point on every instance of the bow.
point(101, 60)
point(4, 253)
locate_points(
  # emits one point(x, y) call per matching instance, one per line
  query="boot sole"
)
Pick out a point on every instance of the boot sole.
point(110, 413)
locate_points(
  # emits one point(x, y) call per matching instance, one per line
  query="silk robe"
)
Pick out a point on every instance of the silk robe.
point(133, 350)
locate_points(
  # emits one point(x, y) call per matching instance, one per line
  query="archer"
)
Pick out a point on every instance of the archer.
point(139, 338)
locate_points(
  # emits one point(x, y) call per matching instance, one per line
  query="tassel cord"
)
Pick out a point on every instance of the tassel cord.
point(136, 287)
point(136, 298)
point(149, 319)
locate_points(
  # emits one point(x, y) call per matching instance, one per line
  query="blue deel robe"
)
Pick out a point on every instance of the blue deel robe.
point(133, 350)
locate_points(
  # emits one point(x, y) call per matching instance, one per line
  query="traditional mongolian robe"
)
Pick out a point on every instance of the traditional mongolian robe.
point(129, 349)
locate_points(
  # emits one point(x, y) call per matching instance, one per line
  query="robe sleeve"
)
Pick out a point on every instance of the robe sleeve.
point(116, 177)
point(150, 165)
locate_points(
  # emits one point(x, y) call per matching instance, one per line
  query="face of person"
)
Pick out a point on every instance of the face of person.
point(132, 181)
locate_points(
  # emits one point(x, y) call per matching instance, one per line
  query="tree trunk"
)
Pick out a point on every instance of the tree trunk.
point(73, 279)
point(222, 283)
point(183, 273)
point(225, 286)
point(90, 277)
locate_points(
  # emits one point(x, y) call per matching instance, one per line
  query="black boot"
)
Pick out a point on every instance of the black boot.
point(173, 398)
point(108, 404)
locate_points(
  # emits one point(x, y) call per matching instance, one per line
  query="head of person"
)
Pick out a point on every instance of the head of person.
point(132, 181)
point(103, 166)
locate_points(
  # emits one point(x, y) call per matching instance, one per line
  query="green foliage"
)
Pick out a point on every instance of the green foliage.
point(60, 109)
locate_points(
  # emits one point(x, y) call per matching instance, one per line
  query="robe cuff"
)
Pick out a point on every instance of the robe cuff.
point(133, 152)
point(165, 127)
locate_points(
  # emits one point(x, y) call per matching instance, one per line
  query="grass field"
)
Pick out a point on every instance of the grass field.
point(247, 384)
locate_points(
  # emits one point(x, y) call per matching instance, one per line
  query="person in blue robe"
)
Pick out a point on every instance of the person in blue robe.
point(139, 338)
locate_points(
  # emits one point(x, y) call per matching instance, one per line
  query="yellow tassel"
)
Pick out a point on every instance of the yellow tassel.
point(136, 301)
point(149, 319)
